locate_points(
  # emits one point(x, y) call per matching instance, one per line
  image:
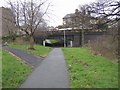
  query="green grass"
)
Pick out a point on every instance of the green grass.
point(53, 41)
point(14, 71)
point(90, 71)
point(39, 50)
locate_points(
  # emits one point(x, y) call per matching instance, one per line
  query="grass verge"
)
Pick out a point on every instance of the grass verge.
point(14, 71)
point(39, 50)
point(89, 71)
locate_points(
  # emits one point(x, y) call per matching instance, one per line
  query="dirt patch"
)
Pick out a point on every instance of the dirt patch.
point(86, 65)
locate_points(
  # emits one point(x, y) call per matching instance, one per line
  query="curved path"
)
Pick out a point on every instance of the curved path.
point(51, 73)
point(27, 58)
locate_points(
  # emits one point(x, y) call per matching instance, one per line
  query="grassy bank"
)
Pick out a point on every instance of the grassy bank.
point(39, 50)
point(90, 71)
point(14, 71)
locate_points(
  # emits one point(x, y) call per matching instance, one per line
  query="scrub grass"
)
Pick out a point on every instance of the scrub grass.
point(14, 71)
point(89, 71)
point(39, 50)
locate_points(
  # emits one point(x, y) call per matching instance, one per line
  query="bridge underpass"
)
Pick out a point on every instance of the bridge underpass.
point(68, 36)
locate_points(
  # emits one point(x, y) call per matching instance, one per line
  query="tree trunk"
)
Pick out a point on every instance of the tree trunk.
point(31, 43)
point(119, 41)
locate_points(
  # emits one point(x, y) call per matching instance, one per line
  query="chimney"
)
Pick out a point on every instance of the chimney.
point(76, 11)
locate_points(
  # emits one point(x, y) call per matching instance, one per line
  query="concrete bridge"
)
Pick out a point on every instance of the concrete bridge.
point(73, 35)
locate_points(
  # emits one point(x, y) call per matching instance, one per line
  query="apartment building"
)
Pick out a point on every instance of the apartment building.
point(81, 20)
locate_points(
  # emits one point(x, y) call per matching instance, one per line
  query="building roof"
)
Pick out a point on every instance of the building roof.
point(72, 15)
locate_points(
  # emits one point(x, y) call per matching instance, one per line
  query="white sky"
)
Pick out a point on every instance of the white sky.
point(60, 9)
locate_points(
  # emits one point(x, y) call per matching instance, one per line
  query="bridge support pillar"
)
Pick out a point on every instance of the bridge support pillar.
point(71, 44)
point(43, 43)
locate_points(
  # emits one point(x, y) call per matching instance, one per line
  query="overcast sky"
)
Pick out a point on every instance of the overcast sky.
point(60, 9)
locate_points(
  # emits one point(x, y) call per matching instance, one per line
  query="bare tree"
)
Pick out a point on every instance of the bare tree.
point(109, 10)
point(84, 20)
point(29, 15)
point(118, 39)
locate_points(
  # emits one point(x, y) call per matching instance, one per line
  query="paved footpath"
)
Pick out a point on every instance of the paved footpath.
point(27, 58)
point(52, 73)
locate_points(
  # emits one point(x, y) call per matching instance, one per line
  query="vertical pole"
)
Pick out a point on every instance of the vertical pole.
point(82, 36)
point(82, 32)
point(64, 39)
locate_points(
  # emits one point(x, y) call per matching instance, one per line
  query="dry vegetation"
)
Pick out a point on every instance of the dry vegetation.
point(106, 46)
